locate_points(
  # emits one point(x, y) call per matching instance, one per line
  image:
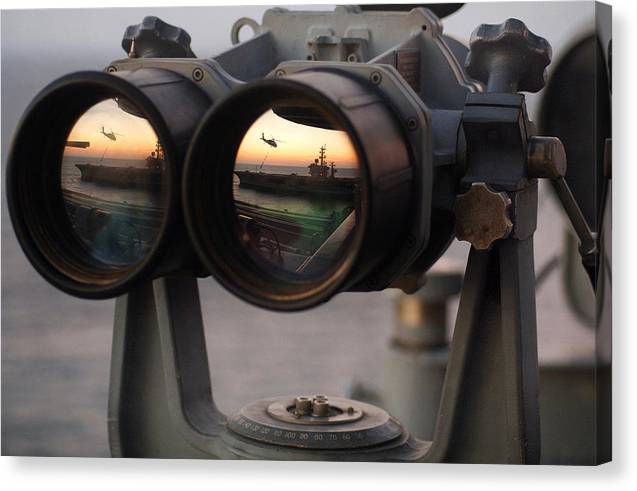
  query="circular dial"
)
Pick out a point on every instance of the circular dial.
point(315, 422)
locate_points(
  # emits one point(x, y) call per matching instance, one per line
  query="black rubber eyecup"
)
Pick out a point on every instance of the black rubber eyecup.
point(34, 193)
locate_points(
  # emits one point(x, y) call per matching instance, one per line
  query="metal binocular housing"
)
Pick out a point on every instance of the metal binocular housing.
point(432, 141)
point(403, 120)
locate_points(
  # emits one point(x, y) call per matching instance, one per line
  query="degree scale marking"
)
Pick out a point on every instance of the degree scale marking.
point(305, 435)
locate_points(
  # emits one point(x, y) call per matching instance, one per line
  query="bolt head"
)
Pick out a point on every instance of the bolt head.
point(320, 408)
point(412, 124)
point(197, 74)
point(376, 78)
point(303, 406)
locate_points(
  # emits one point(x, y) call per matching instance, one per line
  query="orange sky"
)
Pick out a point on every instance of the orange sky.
point(300, 143)
point(138, 138)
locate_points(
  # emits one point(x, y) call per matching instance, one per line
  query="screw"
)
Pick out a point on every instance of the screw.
point(111, 69)
point(303, 406)
point(376, 78)
point(279, 73)
point(412, 124)
point(197, 74)
point(320, 407)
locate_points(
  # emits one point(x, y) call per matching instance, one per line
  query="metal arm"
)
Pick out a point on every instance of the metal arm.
point(161, 401)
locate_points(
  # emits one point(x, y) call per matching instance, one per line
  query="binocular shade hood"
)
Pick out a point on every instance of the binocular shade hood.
point(296, 188)
point(92, 178)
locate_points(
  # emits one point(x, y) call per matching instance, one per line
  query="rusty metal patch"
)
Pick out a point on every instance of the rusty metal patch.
point(408, 65)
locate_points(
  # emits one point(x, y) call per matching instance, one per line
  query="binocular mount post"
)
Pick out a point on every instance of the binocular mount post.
point(161, 403)
point(489, 408)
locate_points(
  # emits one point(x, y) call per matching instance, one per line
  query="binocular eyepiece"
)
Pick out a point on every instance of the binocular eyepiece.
point(309, 178)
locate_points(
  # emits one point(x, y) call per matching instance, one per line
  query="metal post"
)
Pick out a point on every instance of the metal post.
point(160, 403)
point(489, 410)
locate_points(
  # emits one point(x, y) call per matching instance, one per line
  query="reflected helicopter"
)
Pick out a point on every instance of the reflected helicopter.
point(110, 134)
point(271, 141)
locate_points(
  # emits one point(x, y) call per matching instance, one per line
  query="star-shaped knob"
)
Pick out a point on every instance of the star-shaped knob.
point(482, 216)
point(508, 57)
point(154, 38)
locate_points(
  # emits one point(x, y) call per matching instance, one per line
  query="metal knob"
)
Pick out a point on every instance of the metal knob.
point(546, 157)
point(508, 57)
point(154, 38)
point(482, 216)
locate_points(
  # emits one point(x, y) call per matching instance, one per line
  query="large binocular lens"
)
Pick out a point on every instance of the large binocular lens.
point(278, 188)
point(93, 177)
point(296, 204)
point(113, 183)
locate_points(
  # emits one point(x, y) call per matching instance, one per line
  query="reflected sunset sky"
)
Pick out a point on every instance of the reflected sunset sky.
point(137, 141)
point(299, 144)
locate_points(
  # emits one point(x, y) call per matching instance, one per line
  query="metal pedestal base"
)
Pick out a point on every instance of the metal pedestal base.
point(161, 402)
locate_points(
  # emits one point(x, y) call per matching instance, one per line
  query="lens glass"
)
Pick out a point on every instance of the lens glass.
point(113, 183)
point(296, 189)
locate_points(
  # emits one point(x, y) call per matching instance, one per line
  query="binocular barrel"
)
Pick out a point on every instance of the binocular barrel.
point(94, 227)
point(276, 234)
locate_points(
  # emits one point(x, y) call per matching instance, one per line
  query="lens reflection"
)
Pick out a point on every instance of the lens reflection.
point(296, 191)
point(112, 178)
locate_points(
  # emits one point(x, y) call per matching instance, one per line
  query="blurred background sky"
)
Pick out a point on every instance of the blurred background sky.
point(56, 349)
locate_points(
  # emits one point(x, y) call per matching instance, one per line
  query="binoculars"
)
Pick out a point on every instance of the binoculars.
point(289, 171)
point(331, 152)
